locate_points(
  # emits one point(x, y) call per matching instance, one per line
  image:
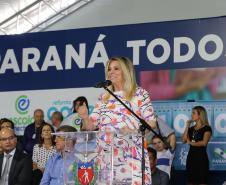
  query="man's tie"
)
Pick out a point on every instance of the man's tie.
point(5, 174)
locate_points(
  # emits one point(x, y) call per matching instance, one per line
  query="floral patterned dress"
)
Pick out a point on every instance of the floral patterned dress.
point(112, 116)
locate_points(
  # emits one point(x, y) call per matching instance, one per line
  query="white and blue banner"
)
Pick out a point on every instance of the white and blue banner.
point(60, 59)
point(48, 70)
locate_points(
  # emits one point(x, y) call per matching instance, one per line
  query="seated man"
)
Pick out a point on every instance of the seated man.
point(54, 171)
point(56, 119)
point(4, 122)
point(159, 177)
point(15, 165)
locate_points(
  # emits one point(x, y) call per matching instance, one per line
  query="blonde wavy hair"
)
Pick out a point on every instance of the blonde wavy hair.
point(203, 114)
point(129, 77)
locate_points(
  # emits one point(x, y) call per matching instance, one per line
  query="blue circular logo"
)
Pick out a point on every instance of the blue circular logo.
point(22, 104)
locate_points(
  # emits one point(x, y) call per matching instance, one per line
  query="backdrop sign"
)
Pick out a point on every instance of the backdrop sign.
point(60, 59)
point(20, 105)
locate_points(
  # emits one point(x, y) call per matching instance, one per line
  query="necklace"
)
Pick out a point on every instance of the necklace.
point(47, 146)
point(194, 135)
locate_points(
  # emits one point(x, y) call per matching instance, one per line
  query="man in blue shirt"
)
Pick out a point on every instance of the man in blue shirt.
point(54, 170)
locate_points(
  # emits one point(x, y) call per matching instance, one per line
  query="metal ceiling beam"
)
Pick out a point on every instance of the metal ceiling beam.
point(19, 12)
point(48, 4)
point(60, 12)
point(17, 23)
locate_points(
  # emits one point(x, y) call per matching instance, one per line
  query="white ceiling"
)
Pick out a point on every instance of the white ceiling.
point(115, 12)
point(10, 7)
point(119, 12)
point(19, 16)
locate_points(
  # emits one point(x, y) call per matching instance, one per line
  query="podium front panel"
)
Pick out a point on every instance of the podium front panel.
point(99, 158)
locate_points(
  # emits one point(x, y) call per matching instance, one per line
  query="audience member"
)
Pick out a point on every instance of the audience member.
point(42, 152)
point(56, 119)
point(163, 129)
point(15, 165)
point(197, 136)
point(74, 120)
point(4, 122)
point(164, 155)
point(54, 171)
point(32, 131)
point(158, 176)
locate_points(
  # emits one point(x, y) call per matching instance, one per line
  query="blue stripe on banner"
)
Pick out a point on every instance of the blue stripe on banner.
point(163, 161)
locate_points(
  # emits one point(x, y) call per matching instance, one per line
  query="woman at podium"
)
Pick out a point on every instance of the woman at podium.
point(110, 115)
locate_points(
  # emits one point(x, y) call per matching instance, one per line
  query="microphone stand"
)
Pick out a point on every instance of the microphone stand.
point(143, 126)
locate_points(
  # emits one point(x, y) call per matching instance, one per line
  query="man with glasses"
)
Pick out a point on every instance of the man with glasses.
point(15, 165)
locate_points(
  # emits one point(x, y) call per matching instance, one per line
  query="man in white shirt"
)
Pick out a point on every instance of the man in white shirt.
point(15, 165)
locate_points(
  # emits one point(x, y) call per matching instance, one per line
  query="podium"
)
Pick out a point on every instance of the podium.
point(100, 158)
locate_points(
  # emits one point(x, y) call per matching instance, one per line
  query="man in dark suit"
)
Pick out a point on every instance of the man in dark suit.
point(32, 131)
point(15, 165)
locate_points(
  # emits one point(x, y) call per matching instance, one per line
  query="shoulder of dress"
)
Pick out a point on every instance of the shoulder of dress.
point(101, 96)
point(141, 90)
point(208, 128)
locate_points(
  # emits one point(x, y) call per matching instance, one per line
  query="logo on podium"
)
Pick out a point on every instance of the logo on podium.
point(85, 169)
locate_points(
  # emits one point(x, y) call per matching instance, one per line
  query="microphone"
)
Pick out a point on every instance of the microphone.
point(103, 84)
point(190, 122)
